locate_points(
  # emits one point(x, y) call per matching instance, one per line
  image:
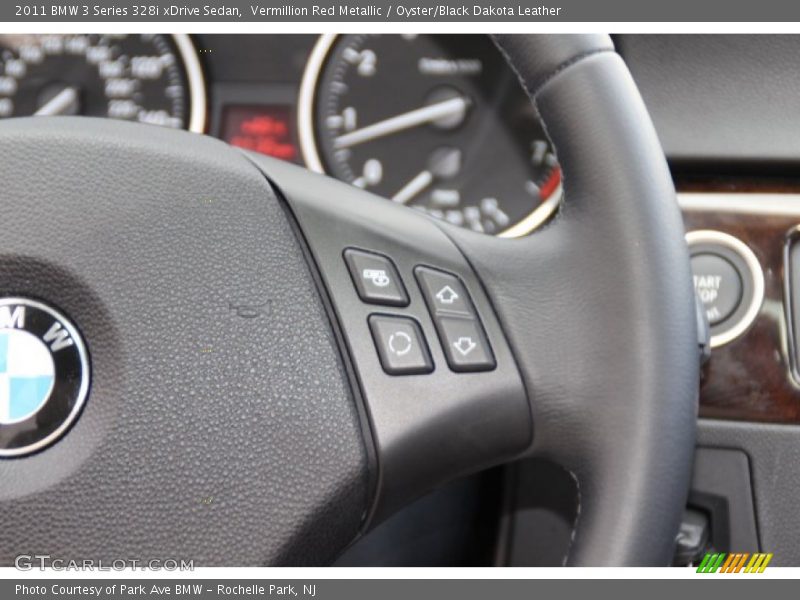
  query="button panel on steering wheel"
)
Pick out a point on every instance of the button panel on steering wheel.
point(436, 377)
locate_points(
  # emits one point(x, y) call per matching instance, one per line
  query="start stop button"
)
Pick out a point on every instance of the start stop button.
point(729, 282)
point(718, 285)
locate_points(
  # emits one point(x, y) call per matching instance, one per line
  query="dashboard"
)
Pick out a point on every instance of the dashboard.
point(440, 123)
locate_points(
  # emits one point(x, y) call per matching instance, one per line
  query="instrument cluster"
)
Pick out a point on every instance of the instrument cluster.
point(438, 123)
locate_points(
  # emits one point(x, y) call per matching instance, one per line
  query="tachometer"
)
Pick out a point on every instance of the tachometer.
point(146, 78)
point(436, 122)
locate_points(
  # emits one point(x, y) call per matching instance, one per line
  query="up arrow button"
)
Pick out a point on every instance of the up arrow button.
point(444, 293)
point(447, 295)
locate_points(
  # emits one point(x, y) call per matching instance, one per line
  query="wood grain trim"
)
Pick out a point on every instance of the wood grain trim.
point(751, 377)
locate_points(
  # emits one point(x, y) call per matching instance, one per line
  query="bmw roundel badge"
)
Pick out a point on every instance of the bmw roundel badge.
point(44, 375)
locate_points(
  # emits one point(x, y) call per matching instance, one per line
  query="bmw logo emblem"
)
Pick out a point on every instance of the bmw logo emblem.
point(44, 375)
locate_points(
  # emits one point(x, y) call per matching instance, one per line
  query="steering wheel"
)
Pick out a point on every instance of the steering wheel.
point(274, 366)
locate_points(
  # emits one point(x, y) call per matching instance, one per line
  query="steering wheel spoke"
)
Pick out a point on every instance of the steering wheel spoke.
point(439, 384)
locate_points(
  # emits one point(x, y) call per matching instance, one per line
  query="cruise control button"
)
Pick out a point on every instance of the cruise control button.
point(444, 293)
point(401, 345)
point(375, 278)
point(465, 345)
point(718, 285)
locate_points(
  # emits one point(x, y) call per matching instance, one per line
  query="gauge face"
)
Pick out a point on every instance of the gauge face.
point(151, 79)
point(438, 123)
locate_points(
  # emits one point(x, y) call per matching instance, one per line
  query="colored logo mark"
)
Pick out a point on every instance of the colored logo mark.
point(44, 376)
point(740, 562)
point(27, 375)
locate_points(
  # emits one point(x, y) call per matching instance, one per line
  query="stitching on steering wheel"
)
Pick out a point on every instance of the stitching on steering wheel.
point(561, 67)
point(532, 95)
point(577, 515)
point(567, 64)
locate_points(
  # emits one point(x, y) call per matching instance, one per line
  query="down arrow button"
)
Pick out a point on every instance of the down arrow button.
point(465, 345)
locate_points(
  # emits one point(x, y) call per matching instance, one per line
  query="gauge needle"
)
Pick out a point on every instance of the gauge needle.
point(413, 187)
point(444, 163)
point(420, 116)
point(59, 103)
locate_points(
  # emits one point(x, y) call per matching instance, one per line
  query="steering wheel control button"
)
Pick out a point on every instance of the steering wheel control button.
point(44, 375)
point(376, 278)
point(718, 285)
point(444, 293)
point(728, 282)
point(401, 345)
point(460, 332)
point(465, 345)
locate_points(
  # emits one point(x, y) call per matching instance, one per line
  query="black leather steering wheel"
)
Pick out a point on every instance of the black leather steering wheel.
point(239, 412)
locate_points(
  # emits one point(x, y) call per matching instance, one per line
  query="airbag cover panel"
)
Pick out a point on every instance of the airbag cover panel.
point(220, 426)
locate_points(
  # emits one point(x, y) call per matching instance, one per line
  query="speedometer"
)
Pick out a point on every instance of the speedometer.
point(152, 79)
point(436, 122)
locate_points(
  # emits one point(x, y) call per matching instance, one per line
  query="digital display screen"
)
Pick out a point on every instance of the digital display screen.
point(265, 129)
